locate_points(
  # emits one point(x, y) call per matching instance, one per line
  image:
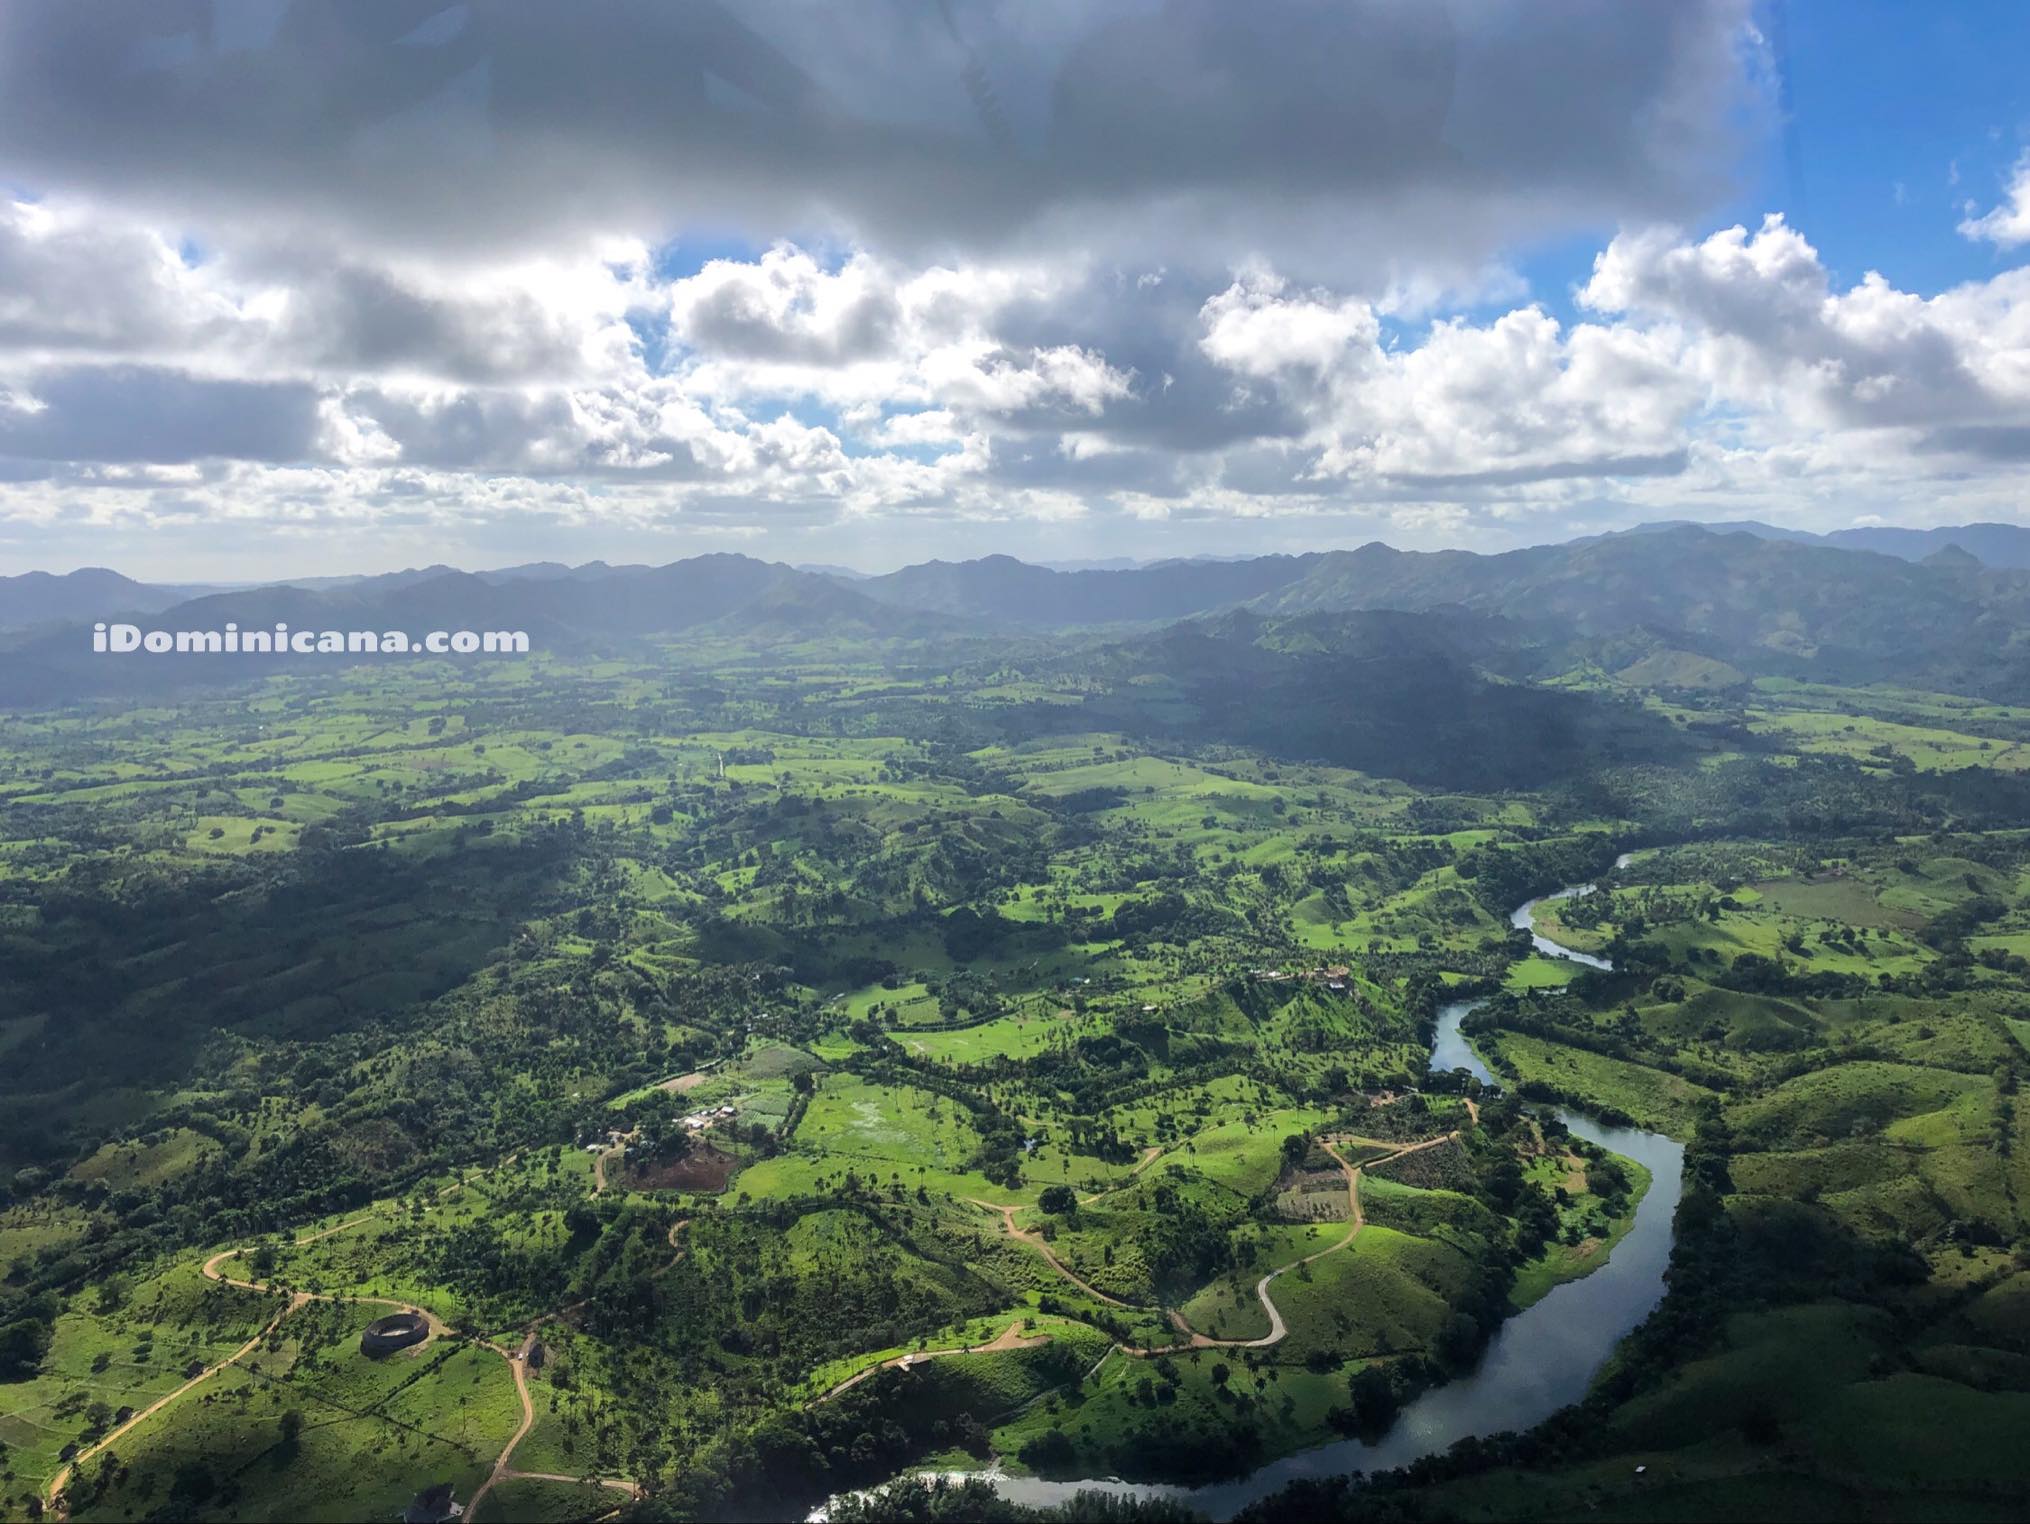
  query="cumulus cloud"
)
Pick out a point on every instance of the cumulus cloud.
point(1512, 400)
point(73, 284)
point(786, 307)
point(1257, 328)
point(1762, 325)
point(2007, 224)
point(981, 389)
point(77, 281)
point(870, 333)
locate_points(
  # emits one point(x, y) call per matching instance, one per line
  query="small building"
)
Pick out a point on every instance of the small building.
point(433, 1505)
point(396, 1331)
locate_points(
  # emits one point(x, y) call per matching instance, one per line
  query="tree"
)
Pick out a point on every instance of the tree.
point(1374, 1396)
point(1052, 1449)
point(23, 1343)
point(193, 1483)
point(1458, 1340)
point(1058, 1199)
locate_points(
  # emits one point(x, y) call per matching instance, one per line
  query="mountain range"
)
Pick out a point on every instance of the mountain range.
point(1721, 601)
point(2004, 546)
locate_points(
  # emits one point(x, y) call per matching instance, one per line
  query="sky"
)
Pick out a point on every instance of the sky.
point(337, 286)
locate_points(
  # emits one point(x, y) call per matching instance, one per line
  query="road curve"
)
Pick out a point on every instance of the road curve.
point(1036, 1241)
point(503, 1470)
point(517, 1361)
point(1278, 1330)
point(1009, 1338)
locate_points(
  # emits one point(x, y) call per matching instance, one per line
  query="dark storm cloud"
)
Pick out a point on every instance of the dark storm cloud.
point(125, 414)
point(1318, 124)
point(1155, 473)
point(353, 318)
point(2003, 443)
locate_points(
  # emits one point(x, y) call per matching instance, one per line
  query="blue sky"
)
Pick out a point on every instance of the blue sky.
point(1886, 95)
point(1900, 114)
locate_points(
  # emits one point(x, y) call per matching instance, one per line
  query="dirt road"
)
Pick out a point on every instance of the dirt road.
point(517, 1361)
point(1009, 1338)
point(1278, 1330)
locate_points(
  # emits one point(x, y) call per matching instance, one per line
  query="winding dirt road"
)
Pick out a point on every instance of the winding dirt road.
point(211, 1272)
point(1009, 1338)
point(517, 1362)
point(1278, 1330)
point(1036, 1241)
point(1012, 1338)
point(503, 1470)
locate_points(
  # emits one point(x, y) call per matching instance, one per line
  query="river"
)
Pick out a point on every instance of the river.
point(1524, 918)
point(1540, 1360)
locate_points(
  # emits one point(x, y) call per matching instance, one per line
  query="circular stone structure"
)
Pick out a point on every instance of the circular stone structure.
point(398, 1330)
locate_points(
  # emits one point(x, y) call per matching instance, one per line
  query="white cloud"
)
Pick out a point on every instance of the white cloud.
point(2007, 224)
point(1257, 327)
point(463, 398)
point(1514, 398)
point(786, 307)
point(1760, 322)
point(929, 426)
point(983, 378)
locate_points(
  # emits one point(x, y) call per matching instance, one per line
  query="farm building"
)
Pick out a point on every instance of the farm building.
point(433, 1505)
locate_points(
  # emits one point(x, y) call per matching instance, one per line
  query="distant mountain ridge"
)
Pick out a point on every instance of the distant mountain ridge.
point(725, 596)
point(1665, 599)
point(995, 587)
point(89, 593)
point(2003, 546)
point(1004, 590)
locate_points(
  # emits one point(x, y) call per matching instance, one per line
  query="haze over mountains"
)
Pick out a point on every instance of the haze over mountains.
point(1701, 606)
point(1998, 545)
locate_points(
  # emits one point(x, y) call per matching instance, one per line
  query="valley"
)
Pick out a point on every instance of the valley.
point(770, 1070)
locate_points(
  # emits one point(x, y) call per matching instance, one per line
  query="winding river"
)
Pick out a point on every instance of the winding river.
point(1540, 1360)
